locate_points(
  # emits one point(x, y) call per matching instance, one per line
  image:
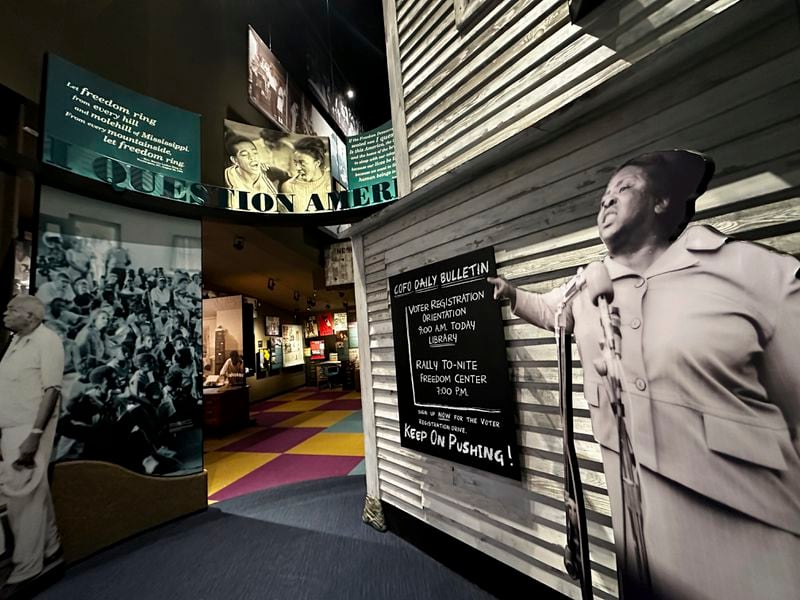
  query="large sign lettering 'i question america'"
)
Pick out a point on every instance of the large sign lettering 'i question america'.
point(106, 132)
point(454, 393)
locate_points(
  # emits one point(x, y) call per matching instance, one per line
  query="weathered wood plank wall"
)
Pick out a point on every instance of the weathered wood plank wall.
point(466, 91)
point(736, 100)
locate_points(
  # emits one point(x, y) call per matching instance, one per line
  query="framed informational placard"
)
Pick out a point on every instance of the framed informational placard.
point(311, 327)
point(370, 161)
point(317, 349)
point(275, 346)
point(371, 165)
point(273, 326)
point(292, 345)
point(268, 81)
point(339, 322)
point(454, 395)
point(352, 334)
point(339, 264)
point(325, 324)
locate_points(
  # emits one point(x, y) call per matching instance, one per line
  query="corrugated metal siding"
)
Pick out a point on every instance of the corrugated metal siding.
point(739, 105)
point(466, 91)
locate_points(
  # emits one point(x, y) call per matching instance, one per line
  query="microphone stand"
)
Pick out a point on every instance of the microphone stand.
point(576, 551)
point(610, 367)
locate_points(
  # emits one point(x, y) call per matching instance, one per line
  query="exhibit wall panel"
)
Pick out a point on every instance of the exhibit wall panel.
point(114, 282)
point(276, 382)
point(738, 104)
point(114, 285)
point(467, 87)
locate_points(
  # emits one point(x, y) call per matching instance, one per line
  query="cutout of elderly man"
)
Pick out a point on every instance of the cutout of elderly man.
point(31, 371)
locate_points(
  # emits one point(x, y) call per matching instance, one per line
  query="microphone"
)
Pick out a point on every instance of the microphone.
point(598, 283)
point(601, 292)
point(595, 278)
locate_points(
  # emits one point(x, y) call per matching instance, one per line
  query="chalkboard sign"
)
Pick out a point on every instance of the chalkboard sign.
point(454, 394)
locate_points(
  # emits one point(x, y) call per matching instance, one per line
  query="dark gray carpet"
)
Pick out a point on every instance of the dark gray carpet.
point(300, 542)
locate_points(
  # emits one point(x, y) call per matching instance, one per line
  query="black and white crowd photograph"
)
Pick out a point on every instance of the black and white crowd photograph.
point(123, 294)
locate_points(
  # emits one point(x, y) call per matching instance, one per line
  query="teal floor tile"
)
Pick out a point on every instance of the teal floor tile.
point(360, 469)
point(351, 424)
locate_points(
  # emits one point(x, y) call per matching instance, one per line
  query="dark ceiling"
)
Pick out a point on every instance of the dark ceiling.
point(291, 256)
point(352, 31)
point(360, 48)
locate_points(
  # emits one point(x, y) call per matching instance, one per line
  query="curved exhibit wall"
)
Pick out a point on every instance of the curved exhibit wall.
point(121, 289)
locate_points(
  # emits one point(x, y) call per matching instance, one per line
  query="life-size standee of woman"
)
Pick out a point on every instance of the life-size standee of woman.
point(711, 390)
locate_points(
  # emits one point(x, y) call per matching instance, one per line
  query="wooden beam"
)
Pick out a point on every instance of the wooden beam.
point(367, 405)
point(396, 99)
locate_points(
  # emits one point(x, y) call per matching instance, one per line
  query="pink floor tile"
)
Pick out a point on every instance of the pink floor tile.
point(341, 405)
point(268, 419)
point(266, 404)
point(289, 468)
point(329, 395)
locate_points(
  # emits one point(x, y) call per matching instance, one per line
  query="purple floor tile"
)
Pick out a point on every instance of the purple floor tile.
point(266, 404)
point(268, 419)
point(328, 395)
point(341, 405)
point(289, 468)
point(245, 443)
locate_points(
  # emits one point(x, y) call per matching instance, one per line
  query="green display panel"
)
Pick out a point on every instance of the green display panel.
point(88, 118)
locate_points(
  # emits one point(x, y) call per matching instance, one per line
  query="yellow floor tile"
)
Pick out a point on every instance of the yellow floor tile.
point(316, 418)
point(350, 396)
point(298, 406)
point(226, 467)
point(290, 396)
point(210, 444)
point(338, 444)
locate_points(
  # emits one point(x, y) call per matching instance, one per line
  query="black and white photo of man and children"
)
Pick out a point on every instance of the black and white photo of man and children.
point(132, 335)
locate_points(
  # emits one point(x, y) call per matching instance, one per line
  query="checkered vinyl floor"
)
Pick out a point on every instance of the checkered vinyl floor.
point(302, 435)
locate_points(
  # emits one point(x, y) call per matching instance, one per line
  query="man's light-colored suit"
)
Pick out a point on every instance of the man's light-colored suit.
point(31, 365)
